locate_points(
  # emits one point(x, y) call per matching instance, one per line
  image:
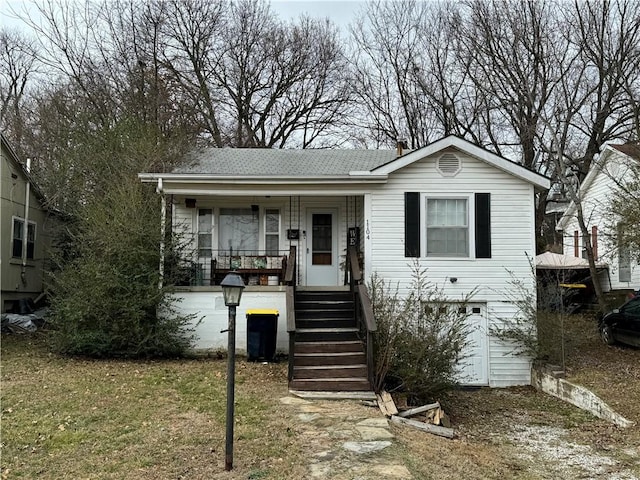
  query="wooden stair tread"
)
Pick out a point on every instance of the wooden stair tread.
point(329, 367)
point(329, 354)
point(331, 379)
point(327, 330)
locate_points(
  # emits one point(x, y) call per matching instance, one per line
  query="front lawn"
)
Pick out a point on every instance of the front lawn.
point(80, 418)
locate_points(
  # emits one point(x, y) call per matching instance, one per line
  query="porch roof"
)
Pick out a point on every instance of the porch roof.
point(247, 162)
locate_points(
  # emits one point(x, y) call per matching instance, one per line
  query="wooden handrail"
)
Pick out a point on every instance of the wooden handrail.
point(291, 312)
point(363, 308)
point(367, 308)
point(290, 282)
point(354, 266)
point(290, 273)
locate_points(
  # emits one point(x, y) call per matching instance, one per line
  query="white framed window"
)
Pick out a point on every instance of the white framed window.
point(17, 238)
point(272, 231)
point(238, 230)
point(205, 232)
point(447, 227)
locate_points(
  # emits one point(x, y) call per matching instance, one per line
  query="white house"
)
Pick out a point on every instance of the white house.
point(610, 168)
point(284, 219)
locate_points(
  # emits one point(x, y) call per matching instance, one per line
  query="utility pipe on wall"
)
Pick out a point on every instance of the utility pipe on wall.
point(25, 232)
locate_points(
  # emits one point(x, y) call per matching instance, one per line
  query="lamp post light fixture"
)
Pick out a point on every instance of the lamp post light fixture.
point(232, 287)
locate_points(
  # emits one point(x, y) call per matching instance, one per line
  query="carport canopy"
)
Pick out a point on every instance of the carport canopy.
point(557, 261)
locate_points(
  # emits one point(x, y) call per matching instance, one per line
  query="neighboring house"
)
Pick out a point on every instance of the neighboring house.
point(610, 167)
point(285, 220)
point(25, 227)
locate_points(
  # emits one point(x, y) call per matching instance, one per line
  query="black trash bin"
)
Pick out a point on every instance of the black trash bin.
point(262, 328)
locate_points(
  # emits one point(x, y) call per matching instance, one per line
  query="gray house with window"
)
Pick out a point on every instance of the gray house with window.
point(293, 221)
point(25, 229)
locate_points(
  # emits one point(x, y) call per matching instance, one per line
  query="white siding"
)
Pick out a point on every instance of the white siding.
point(184, 226)
point(512, 237)
point(380, 215)
point(211, 316)
point(597, 212)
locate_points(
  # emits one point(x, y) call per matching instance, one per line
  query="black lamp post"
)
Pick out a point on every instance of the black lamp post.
point(232, 287)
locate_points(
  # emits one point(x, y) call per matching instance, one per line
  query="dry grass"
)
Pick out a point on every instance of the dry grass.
point(74, 418)
point(85, 419)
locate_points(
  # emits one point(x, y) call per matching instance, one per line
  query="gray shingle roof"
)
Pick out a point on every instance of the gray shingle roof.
point(271, 162)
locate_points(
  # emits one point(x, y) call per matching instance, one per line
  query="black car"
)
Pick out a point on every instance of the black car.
point(622, 324)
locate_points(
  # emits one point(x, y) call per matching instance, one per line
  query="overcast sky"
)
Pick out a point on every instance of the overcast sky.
point(341, 12)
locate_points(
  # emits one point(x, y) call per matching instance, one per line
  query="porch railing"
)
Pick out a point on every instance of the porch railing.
point(363, 309)
point(257, 267)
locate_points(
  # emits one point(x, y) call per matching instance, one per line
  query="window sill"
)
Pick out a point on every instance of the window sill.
point(17, 261)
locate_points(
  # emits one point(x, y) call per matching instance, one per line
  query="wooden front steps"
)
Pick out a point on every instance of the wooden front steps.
point(328, 354)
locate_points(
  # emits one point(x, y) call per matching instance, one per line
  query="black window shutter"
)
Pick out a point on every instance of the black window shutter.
point(412, 224)
point(483, 225)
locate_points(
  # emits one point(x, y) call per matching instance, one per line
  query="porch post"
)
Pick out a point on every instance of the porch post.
point(366, 234)
point(163, 214)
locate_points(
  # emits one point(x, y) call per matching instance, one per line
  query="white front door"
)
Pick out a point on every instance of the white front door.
point(322, 247)
point(473, 369)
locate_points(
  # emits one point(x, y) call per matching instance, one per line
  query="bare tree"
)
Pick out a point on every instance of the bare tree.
point(18, 65)
point(591, 104)
point(388, 66)
point(257, 81)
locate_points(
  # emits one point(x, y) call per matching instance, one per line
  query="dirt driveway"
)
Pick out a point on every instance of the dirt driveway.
point(546, 438)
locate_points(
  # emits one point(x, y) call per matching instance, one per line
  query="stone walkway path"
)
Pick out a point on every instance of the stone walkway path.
point(345, 440)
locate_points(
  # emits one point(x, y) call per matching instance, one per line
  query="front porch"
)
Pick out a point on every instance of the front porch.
point(254, 236)
point(326, 332)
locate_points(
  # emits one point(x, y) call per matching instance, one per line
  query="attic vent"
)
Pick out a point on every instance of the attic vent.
point(449, 165)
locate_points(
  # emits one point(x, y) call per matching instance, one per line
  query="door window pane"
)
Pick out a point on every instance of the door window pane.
point(322, 239)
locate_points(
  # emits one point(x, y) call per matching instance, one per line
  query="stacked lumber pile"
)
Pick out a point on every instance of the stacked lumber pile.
point(429, 418)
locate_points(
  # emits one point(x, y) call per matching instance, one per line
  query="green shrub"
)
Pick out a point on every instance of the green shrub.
point(420, 338)
point(105, 297)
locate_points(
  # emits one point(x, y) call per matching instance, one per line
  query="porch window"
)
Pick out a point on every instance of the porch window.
point(272, 231)
point(447, 227)
point(624, 257)
point(18, 237)
point(205, 232)
point(238, 230)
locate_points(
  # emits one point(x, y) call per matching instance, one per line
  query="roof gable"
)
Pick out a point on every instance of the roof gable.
point(13, 159)
point(468, 148)
point(629, 151)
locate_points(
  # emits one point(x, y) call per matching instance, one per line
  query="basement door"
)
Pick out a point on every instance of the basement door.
point(322, 247)
point(474, 368)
